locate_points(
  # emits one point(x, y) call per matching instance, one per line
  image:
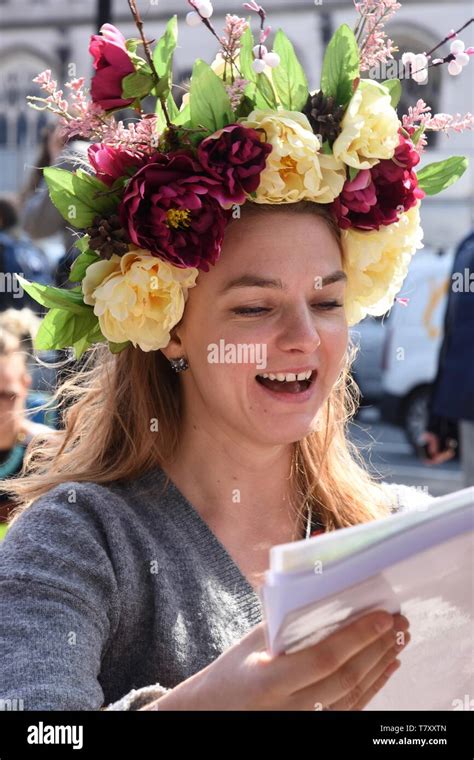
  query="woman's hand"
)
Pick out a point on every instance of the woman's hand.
point(342, 672)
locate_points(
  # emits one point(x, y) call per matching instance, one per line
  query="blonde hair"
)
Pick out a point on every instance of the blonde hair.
point(23, 324)
point(110, 400)
point(9, 343)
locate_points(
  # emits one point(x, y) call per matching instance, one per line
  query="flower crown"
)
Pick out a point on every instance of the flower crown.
point(154, 198)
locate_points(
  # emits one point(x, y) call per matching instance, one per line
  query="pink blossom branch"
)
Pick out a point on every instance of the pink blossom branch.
point(452, 34)
point(375, 47)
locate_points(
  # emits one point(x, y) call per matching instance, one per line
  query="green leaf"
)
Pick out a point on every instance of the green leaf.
point(439, 175)
point(173, 109)
point(163, 57)
point(70, 300)
point(80, 346)
point(116, 348)
point(265, 94)
point(246, 56)
point(353, 172)
point(340, 66)
point(417, 134)
point(394, 88)
point(138, 84)
point(259, 91)
point(78, 196)
point(94, 336)
point(78, 269)
point(132, 44)
point(61, 329)
point(82, 243)
point(289, 78)
point(173, 112)
point(182, 117)
point(326, 148)
point(209, 102)
point(246, 106)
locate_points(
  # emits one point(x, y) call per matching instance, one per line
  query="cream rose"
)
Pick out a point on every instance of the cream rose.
point(369, 127)
point(137, 297)
point(295, 169)
point(376, 264)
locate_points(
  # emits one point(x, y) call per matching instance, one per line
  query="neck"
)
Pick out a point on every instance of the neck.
point(222, 479)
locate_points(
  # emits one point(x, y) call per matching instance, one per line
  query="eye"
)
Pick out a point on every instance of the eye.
point(327, 305)
point(248, 310)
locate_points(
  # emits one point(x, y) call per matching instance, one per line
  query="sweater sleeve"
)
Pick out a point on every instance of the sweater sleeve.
point(59, 605)
point(138, 698)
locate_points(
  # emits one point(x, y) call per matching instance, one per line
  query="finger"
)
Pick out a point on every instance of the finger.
point(373, 681)
point(433, 449)
point(444, 456)
point(344, 688)
point(298, 670)
point(378, 685)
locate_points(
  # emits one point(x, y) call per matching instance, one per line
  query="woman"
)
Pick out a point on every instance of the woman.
point(118, 585)
point(16, 429)
point(132, 566)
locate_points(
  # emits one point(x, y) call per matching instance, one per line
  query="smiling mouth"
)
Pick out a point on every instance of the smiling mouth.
point(287, 386)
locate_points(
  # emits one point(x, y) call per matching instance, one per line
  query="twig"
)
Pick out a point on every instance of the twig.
point(139, 25)
point(449, 37)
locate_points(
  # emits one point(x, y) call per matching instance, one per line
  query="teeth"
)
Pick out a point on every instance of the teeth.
point(288, 377)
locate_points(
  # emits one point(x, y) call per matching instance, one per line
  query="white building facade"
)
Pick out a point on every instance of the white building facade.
point(39, 34)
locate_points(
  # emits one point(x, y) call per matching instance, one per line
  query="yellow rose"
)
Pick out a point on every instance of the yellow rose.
point(137, 297)
point(376, 264)
point(369, 127)
point(294, 169)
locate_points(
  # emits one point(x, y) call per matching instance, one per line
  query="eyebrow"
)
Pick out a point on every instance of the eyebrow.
point(253, 281)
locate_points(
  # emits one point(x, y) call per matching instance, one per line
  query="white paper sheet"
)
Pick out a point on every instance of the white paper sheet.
point(426, 572)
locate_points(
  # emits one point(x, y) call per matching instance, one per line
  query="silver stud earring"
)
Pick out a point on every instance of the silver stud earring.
point(179, 365)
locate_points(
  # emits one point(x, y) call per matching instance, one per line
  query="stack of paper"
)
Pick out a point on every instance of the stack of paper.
point(417, 562)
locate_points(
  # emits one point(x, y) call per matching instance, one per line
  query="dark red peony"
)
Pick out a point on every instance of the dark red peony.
point(167, 209)
point(236, 156)
point(110, 163)
point(112, 64)
point(378, 196)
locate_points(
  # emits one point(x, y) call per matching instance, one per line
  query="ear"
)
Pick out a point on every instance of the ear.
point(175, 347)
point(27, 380)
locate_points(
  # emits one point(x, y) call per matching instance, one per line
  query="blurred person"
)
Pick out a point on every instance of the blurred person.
point(24, 323)
point(39, 216)
point(16, 429)
point(451, 409)
point(18, 254)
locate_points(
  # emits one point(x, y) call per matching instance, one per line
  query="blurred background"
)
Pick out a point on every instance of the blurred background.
point(400, 365)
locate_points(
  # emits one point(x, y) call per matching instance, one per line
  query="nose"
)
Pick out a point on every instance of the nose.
point(299, 331)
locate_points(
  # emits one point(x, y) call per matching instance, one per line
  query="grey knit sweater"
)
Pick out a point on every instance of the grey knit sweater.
point(109, 595)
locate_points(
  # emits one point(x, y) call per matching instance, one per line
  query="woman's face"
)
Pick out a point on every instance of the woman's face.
point(14, 382)
point(233, 331)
